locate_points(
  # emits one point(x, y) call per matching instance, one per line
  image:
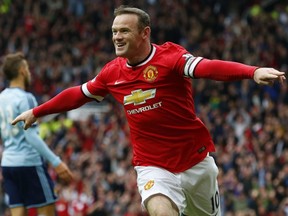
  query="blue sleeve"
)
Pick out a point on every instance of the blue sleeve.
point(32, 137)
point(37, 142)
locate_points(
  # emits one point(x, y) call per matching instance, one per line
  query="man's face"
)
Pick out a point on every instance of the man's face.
point(127, 38)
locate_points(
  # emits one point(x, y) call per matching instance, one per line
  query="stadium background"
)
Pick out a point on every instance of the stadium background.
point(68, 41)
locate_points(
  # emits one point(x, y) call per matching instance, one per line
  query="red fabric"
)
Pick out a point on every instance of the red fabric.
point(223, 70)
point(157, 97)
point(159, 106)
point(68, 99)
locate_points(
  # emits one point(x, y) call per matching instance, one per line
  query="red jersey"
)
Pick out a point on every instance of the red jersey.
point(157, 97)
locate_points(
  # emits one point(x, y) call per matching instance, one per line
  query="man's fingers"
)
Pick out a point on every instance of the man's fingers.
point(16, 120)
point(27, 117)
point(282, 79)
point(64, 172)
point(67, 176)
point(273, 76)
point(26, 126)
point(20, 118)
point(275, 72)
point(267, 76)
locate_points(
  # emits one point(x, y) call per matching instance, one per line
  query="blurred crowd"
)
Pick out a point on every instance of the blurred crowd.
point(68, 41)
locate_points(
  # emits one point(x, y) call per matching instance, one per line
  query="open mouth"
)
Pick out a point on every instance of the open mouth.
point(120, 44)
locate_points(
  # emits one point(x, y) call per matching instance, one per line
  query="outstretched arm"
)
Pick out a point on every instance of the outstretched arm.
point(228, 71)
point(68, 99)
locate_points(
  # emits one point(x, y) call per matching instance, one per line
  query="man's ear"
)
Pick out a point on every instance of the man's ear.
point(22, 70)
point(146, 32)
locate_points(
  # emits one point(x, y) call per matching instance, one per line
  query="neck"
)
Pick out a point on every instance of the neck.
point(17, 84)
point(144, 55)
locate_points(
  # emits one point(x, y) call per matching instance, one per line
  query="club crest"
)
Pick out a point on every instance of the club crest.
point(150, 73)
point(149, 184)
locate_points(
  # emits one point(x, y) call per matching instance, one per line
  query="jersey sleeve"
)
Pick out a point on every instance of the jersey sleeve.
point(32, 137)
point(223, 70)
point(96, 88)
point(72, 96)
point(185, 62)
point(199, 67)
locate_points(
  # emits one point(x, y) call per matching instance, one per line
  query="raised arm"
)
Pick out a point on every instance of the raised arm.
point(68, 99)
point(229, 71)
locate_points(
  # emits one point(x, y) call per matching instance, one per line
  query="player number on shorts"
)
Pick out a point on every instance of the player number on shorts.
point(215, 200)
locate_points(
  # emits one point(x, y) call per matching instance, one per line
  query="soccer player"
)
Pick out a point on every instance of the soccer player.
point(171, 145)
point(26, 180)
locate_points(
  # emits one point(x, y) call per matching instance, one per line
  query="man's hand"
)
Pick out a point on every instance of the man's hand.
point(28, 118)
point(267, 76)
point(64, 172)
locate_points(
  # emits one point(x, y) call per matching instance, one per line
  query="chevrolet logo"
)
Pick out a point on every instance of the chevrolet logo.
point(139, 97)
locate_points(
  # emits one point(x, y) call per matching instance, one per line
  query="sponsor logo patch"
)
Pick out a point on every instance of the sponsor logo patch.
point(139, 97)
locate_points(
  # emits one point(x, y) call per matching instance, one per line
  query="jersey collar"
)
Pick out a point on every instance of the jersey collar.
point(147, 59)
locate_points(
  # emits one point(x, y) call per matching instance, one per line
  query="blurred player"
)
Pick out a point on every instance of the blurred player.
point(171, 145)
point(26, 181)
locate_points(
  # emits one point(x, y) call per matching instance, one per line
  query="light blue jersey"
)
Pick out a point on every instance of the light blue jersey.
point(21, 147)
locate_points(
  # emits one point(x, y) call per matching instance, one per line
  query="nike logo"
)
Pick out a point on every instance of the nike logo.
point(118, 82)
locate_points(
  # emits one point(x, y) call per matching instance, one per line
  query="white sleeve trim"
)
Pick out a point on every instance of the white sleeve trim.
point(88, 94)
